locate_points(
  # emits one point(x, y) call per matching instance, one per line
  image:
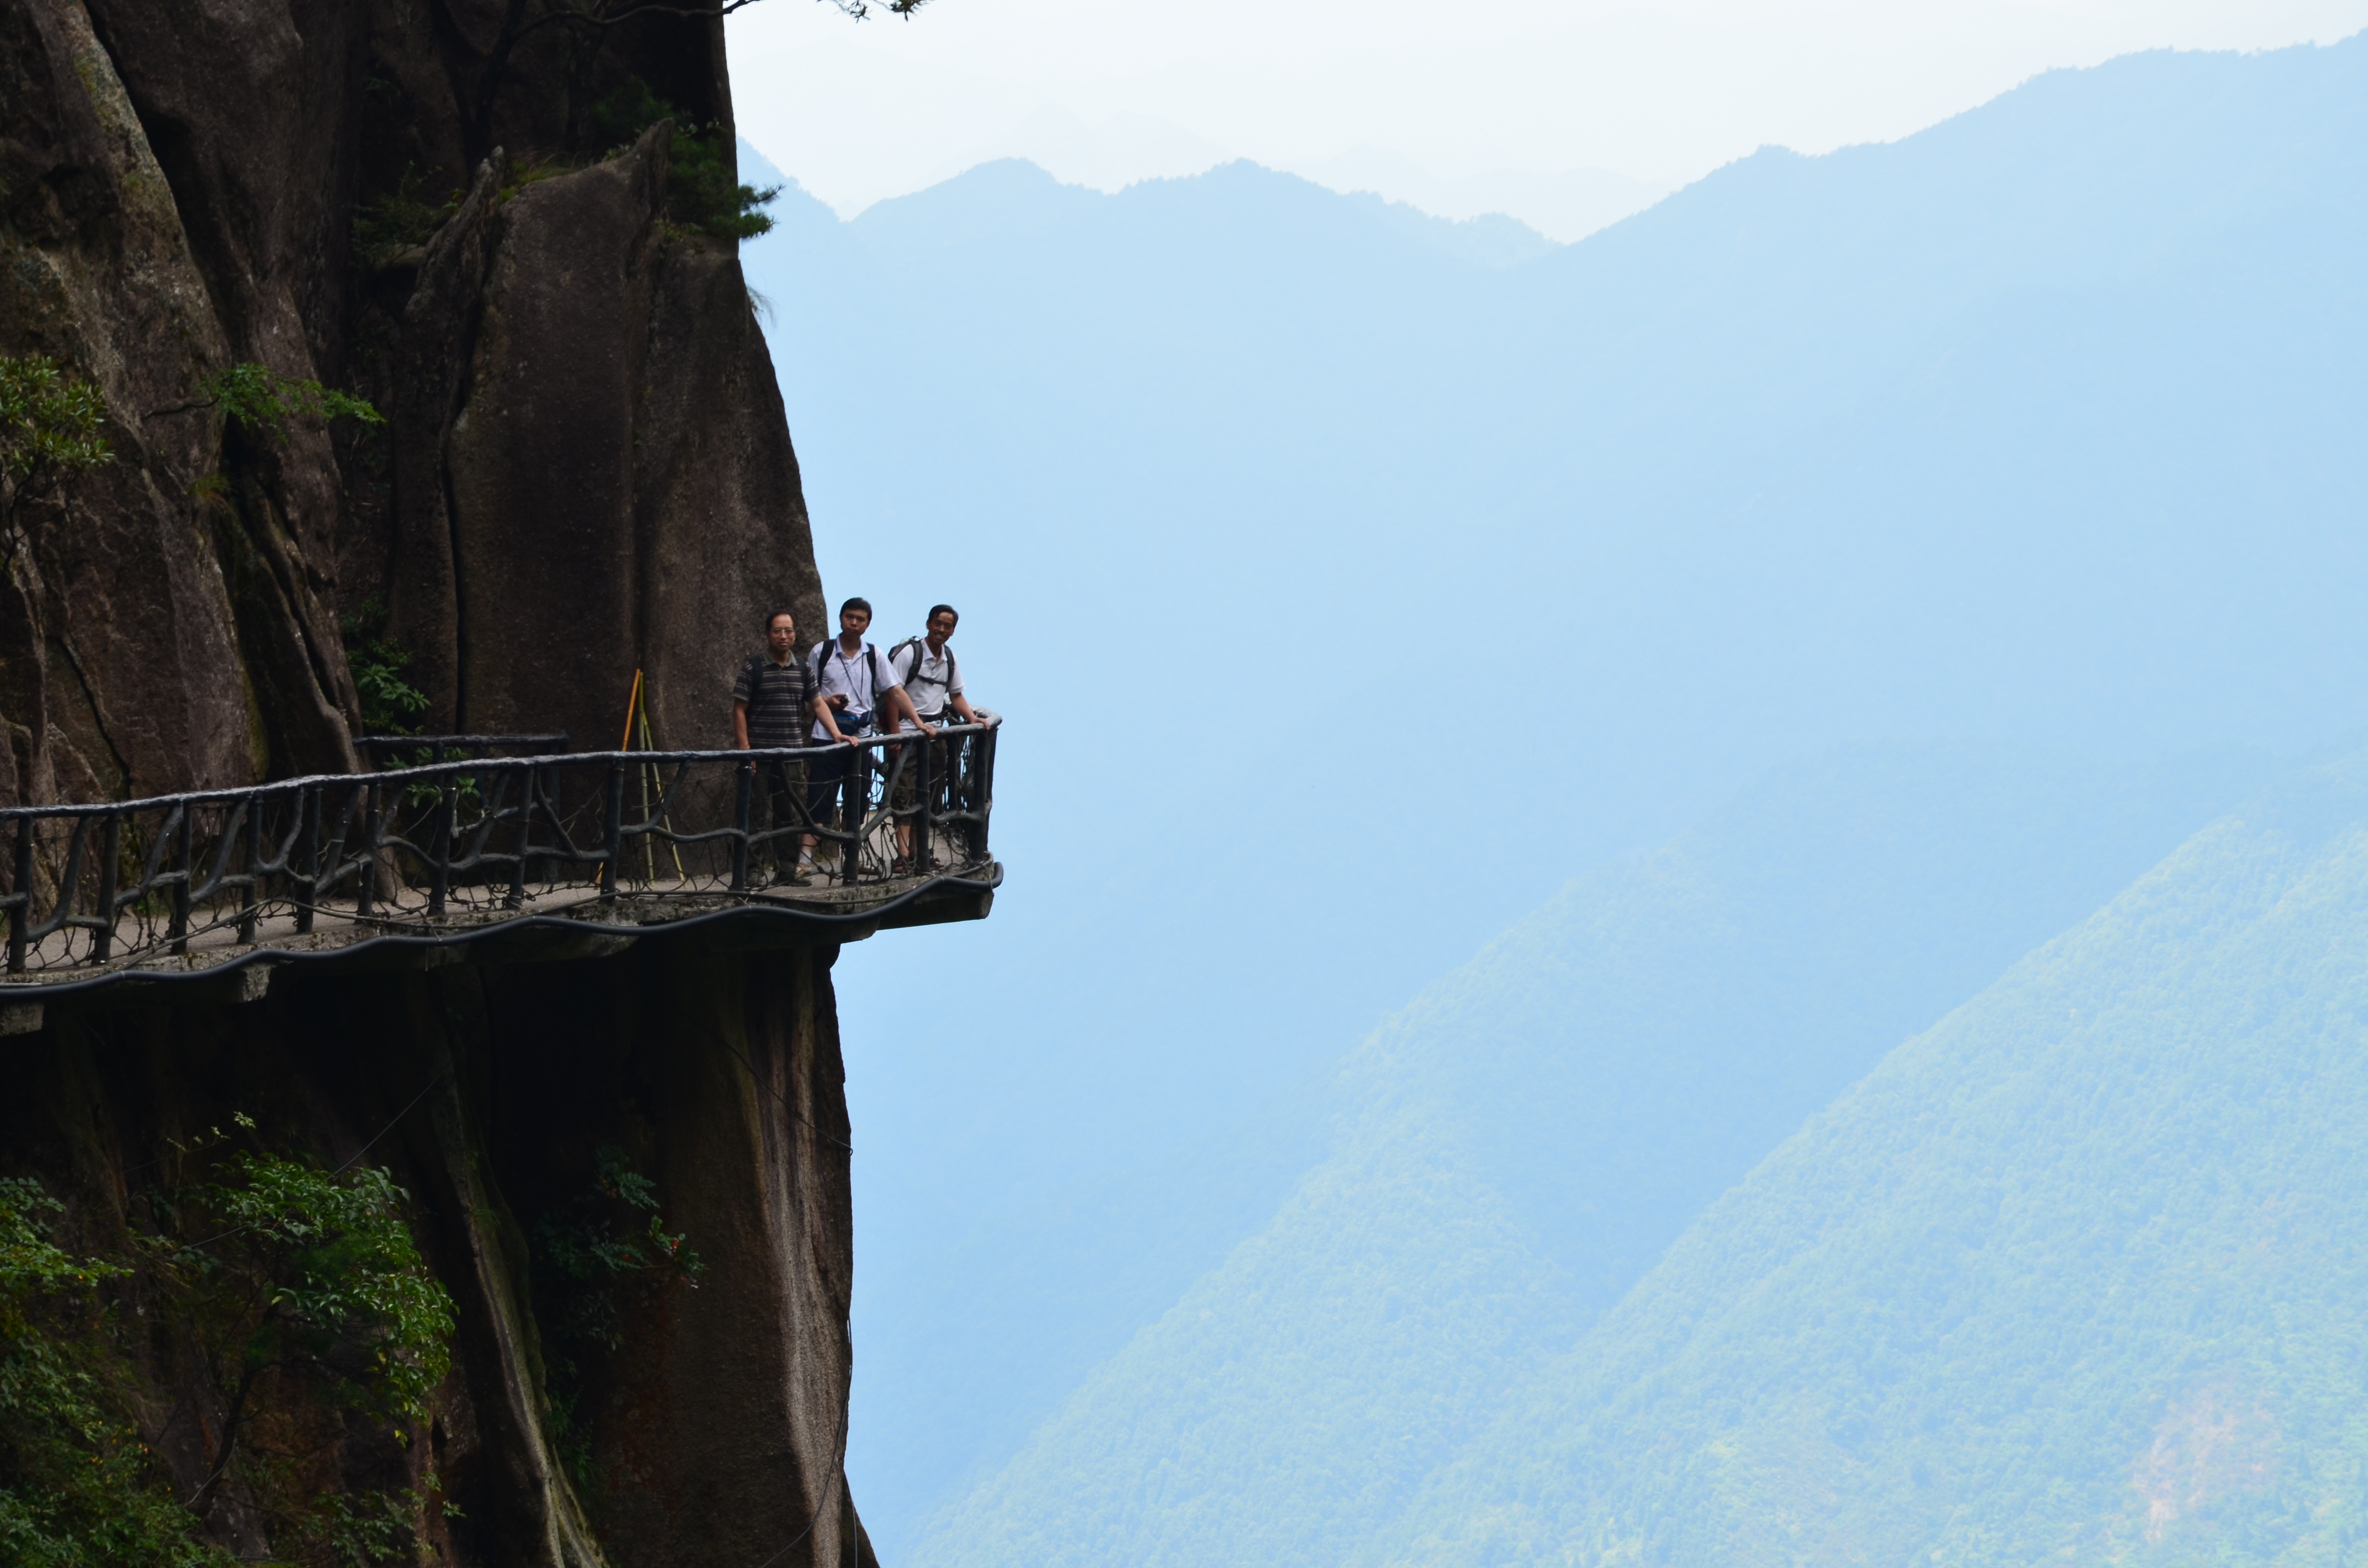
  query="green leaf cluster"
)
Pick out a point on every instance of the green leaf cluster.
point(313, 1271)
point(254, 397)
point(77, 1488)
point(48, 429)
point(701, 195)
point(389, 703)
point(404, 217)
point(591, 1254)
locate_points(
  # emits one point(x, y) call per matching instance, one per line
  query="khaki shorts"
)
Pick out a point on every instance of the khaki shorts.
point(907, 792)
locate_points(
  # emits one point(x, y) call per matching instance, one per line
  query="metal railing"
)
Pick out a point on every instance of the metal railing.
point(472, 838)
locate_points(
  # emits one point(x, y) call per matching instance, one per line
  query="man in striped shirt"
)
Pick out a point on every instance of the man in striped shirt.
point(772, 703)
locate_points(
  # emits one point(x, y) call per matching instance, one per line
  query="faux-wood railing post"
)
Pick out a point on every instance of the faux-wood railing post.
point(983, 788)
point(308, 886)
point(744, 822)
point(920, 866)
point(177, 928)
point(366, 893)
point(251, 896)
point(516, 899)
point(612, 831)
point(439, 879)
point(110, 848)
point(20, 914)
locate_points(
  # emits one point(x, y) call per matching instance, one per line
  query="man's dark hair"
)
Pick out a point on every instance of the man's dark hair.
point(863, 605)
point(772, 615)
point(937, 611)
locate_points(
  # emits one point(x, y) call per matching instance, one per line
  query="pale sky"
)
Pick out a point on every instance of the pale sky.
point(1567, 113)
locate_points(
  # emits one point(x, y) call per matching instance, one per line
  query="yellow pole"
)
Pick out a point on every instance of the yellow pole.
point(648, 744)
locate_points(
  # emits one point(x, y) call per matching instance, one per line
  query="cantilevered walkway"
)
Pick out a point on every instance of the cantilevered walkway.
point(508, 847)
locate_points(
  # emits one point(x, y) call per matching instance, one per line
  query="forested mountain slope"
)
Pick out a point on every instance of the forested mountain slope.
point(1516, 1149)
point(2077, 1273)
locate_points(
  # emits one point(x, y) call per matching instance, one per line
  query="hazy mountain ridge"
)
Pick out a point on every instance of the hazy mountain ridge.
point(2074, 1273)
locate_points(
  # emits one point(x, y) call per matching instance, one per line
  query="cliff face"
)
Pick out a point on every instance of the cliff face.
point(475, 222)
point(712, 1431)
point(503, 231)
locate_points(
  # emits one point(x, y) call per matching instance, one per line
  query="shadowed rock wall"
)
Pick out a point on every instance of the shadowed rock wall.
point(716, 1425)
point(586, 468)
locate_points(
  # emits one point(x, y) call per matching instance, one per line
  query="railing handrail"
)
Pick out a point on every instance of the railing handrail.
point(465, 764)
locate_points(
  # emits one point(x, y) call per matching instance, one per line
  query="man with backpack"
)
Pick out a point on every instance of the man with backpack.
point(925, 667)
point(772, 705)
point(854, 689)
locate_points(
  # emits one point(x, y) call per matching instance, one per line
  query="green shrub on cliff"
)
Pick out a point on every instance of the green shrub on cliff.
point(590, 1255)
point(702, 194)
point(77, 1488)
point(254, 397)
point(299, 1282)
point(48, 429)
point(389, 703)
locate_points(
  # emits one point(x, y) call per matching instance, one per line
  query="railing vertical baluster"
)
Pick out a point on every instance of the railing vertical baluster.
point(179, 928)
point(251, 896)
point(366, 891)
point(20, 914)
point(982, 789)
point(308, 886)
point(920, 866)
point(612, 831)
point(110, 845)
point(439, 881)
point(516, 899)
point(743, 823)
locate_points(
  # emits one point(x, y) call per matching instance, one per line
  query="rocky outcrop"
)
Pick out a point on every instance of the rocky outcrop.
point(586, 468)
point(716, 1425)
point(610, 493)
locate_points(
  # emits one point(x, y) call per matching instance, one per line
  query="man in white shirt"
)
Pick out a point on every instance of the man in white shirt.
point(854, 688)
point(925, 667)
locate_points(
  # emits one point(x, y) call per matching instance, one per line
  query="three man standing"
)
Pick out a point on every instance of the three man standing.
point(844, 690)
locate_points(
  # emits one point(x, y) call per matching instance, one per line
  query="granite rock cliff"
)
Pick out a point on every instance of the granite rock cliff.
point(584, 467)
point(476, 220)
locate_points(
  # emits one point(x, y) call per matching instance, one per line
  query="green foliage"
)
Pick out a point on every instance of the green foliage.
point(256, 398)
point(403, 218)
point(77, 1489)
point(701, 195)
point(371, 1527)
point(307, 1270)
point(297, 1283)
point(389, 703)
point(592, 1256)
point(48, 431)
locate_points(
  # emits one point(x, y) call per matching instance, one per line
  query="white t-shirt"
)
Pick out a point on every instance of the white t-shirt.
point(863, 675)
point(936, 681)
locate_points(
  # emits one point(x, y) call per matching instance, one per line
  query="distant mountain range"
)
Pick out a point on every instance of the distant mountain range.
point(1355, 580)
point(2076, 1275)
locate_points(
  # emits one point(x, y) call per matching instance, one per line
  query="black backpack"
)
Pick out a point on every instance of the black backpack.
point(827, 649)
point(954, 666)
